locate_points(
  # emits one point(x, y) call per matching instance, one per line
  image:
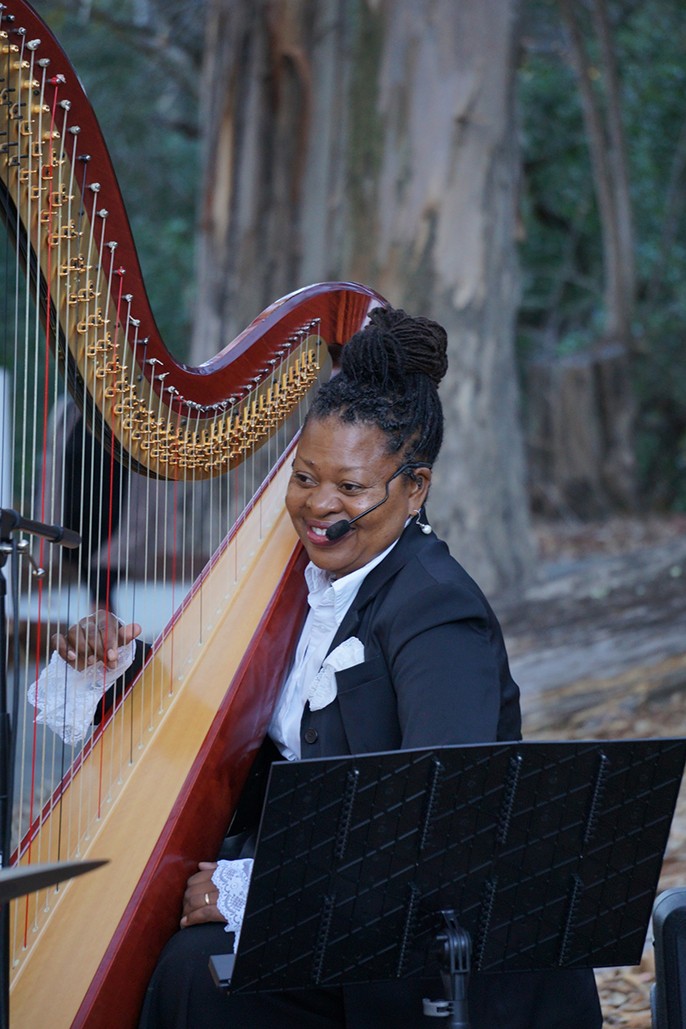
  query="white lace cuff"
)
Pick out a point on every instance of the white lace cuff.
point(232, 879)
point(66, 699)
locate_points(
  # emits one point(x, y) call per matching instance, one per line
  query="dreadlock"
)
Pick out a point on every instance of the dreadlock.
point(389, 377)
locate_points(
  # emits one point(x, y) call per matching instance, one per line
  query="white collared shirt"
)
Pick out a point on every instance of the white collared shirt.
point(329, 600)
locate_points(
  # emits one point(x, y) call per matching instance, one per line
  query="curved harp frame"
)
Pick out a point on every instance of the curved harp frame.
point(176, 749)
point(62, 201)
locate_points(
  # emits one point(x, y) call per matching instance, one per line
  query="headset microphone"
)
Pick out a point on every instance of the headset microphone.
point(339, 529)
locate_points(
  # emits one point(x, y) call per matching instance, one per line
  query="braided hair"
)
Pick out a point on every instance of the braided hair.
point(389, 377)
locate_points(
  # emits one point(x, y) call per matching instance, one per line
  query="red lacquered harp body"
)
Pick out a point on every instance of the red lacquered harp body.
point(175, 465)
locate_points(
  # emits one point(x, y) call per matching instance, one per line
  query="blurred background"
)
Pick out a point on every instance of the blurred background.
point(515, 169)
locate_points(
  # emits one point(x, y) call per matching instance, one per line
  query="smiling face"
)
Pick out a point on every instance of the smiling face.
point(339, 471)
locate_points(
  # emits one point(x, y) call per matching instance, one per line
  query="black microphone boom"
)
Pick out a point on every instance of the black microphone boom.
point(339, 529)
point(11, 521)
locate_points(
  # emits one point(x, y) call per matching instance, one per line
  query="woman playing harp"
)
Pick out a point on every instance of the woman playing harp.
point(400, 650)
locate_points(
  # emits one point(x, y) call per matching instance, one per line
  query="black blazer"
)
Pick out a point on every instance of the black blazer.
point(435, 672)
point(435, 669)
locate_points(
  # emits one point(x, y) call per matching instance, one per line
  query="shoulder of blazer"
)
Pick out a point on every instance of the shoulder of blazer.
point(415, 556)
point(416, 562)
point(412, 544)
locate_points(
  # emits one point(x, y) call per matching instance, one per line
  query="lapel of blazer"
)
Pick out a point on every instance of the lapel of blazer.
point(410, 542)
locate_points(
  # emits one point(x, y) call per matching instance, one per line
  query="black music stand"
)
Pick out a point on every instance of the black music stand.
point(17, 882)
point(538, 855)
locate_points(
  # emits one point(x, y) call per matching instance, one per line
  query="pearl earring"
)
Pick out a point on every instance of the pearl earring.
point(424, 526)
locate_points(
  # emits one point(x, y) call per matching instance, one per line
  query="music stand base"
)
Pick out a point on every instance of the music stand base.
point(453, 947)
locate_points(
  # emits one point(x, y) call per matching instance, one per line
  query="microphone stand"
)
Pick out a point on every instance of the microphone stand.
point(10, 522)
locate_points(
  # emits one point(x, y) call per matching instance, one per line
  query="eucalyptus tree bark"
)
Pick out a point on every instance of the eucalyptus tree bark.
point(375, 140)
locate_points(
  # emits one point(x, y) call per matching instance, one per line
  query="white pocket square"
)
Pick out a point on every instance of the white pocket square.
point(350, 652)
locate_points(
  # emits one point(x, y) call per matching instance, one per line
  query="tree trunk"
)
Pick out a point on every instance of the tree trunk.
point(580, 465)
point(377, 142)
point(605, 134)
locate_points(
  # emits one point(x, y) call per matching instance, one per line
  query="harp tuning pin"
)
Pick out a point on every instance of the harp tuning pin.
point(32, 44)
point(85, 158)
point(56, 80)
point(43, 62)
point(65, 105)
point(128, 297)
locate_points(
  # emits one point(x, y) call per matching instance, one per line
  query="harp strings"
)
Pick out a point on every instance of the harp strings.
point(158, 538)
point(43, 482)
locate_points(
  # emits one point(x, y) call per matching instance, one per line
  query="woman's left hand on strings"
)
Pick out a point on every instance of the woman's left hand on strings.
point(200, 898)
point(95, 638)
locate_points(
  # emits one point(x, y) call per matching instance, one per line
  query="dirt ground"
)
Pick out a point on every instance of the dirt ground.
point(597, 642)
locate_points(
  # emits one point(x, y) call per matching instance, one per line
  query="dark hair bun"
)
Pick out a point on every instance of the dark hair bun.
point(394, 347)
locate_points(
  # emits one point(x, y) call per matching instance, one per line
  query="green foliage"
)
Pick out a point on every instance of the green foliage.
point(562, 304)
point(140, 81)
point(560, 253)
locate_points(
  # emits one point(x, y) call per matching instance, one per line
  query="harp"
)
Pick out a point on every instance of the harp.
point(174, 476)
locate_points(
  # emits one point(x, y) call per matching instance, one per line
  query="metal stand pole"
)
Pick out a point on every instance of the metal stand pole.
point(11, 521)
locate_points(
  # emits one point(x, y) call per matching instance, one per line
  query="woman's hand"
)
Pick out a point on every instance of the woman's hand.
point(200, 898)
point(95, 638)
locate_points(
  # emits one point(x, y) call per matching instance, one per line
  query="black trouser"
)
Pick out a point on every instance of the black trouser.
point(182, 995)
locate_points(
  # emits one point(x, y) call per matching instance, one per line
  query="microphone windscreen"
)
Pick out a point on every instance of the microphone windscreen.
point(68, 538)
point(338, 529)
